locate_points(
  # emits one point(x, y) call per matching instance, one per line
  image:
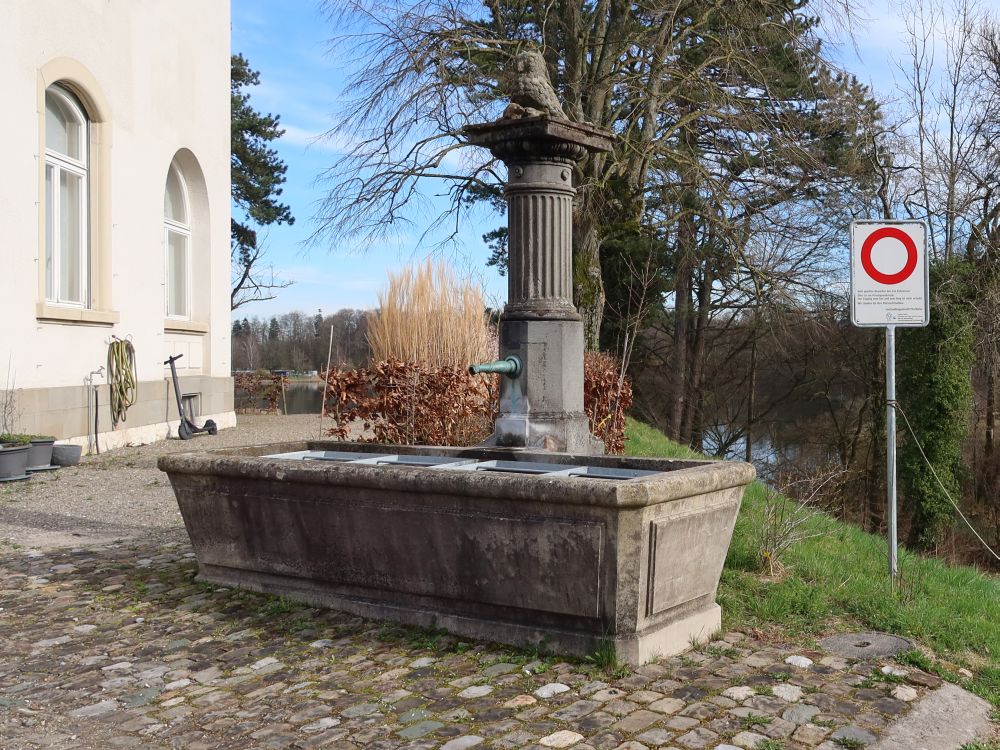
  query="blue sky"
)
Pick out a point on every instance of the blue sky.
point(301, 80)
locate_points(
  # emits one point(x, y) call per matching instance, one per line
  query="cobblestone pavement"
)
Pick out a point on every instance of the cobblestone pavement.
point(118, 646)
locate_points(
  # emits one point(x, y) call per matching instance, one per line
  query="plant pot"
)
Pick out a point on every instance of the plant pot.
point(13, 461)
point(40, 453)
point(66, 455)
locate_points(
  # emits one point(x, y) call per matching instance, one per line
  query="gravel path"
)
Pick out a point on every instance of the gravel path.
point(120, 494)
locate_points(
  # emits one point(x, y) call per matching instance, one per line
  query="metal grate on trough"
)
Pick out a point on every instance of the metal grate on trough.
point(537, 468)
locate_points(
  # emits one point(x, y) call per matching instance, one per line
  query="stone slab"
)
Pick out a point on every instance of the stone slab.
point(932, 724)
point(869, 645)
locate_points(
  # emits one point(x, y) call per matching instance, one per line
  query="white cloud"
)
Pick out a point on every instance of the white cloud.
point(316, 140)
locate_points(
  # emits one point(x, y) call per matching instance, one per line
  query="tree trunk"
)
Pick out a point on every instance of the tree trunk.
point(588, 283)
point(692, 427)
point(687, 238)
point(751, 393)
point(991, 387)
point(697, 441)
point(876, 470)
point(679, 370)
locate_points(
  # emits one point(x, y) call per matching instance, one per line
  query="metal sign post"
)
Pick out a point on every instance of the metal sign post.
point(890, 288)
point(890, 442)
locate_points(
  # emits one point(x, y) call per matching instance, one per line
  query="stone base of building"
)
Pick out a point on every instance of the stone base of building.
point(67, 413)
point(145, 434)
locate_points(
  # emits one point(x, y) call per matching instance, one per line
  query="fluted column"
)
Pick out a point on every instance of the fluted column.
point(540, 242)
point(543, 407)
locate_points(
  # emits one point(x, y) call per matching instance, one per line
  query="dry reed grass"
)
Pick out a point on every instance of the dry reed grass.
point(429, 316)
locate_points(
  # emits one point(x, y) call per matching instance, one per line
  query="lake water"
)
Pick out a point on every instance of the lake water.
point(300, 398)
point(303, 398)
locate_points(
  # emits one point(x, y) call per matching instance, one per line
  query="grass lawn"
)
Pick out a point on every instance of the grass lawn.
point(838, 581)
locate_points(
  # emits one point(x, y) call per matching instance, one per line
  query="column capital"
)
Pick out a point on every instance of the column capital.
point(539, 138)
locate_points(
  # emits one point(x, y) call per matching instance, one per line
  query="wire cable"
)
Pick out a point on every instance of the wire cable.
point(121, 378)
point(895, 405)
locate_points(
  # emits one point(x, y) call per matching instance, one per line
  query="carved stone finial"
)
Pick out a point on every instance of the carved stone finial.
point(529, 88)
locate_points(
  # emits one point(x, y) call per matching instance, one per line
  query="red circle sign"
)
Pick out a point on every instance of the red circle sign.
point(911, 255)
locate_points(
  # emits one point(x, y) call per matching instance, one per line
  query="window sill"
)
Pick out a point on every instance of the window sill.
point(49, 313)
point(184, 326)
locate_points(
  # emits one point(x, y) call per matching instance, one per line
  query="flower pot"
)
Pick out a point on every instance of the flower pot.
point(13, 461)
point(66, 455)
point(40, 453)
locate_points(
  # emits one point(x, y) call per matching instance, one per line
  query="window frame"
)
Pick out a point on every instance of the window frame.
point(61, 163)
point(172, 226)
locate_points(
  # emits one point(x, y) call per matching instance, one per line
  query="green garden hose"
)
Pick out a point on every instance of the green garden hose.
point(121, 378)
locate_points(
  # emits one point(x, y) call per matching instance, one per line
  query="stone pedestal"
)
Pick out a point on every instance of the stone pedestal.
point(543, 407)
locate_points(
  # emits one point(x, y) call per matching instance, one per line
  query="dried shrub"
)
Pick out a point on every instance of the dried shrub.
point(10, 414)
point(607, 395)
point(412, 404)
point(427, 315)
point(781, 520)
point(258, 392)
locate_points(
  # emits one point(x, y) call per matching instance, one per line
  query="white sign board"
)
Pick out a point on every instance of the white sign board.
point(889, 273)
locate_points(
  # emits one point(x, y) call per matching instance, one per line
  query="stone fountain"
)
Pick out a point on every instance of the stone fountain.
point(543, 406)
point(531, 539)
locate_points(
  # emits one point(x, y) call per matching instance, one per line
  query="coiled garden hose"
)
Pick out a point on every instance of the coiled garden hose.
point(121, 378)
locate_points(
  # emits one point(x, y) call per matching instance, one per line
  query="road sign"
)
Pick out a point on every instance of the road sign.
point(889, 288)
point(889, 267)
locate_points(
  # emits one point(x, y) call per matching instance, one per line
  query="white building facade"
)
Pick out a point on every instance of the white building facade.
point(115, 210)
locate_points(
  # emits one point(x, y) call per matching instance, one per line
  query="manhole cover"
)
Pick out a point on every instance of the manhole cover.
point(866, 645)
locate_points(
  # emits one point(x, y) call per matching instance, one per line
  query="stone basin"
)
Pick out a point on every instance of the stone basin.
point(569, 552)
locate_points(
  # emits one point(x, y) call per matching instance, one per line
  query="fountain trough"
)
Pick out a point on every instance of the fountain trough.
point(510, 545)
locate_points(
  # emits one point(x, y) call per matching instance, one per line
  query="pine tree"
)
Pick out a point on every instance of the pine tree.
point(257, 176)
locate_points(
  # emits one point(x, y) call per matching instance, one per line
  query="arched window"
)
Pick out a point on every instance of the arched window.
point(177, 241)
point(66, 199)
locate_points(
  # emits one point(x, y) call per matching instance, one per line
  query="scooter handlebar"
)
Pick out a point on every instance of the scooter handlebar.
point(173, 359)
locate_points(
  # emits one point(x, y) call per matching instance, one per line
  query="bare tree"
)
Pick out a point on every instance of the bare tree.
point(704, 99)
point(253, 280)
point(10, 414)
point(950, 103)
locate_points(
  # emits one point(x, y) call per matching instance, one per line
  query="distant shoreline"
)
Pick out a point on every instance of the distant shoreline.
point(291, 378)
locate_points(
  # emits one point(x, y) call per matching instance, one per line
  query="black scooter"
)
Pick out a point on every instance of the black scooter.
point(187, 429)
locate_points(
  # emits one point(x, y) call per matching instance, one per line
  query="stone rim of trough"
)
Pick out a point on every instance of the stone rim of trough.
point(677, 478)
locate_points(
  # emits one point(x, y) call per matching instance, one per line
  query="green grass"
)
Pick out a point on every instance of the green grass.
point(272, 606)
point(604, 661)
point(643, 440)
point(837, 581)
point(750, 720)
